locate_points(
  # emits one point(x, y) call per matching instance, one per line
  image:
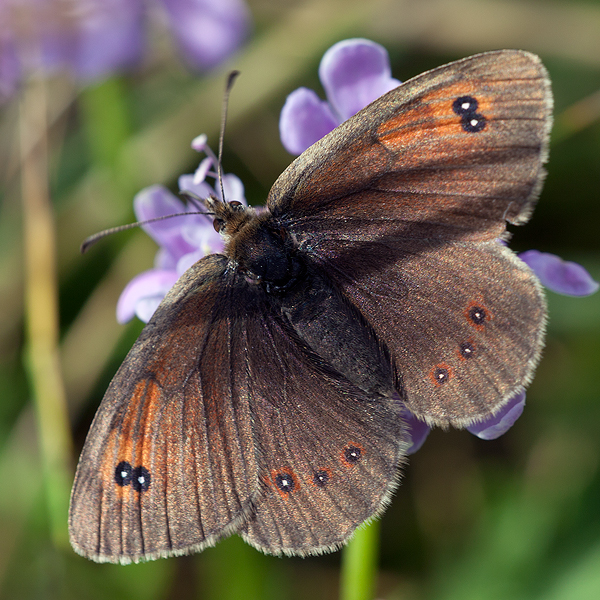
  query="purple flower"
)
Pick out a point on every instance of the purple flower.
point(353, 73)
point(417, 430)
point(558, 275)
point(81, 36)
point(182, 240)
point(207, 31)
point(94, 38)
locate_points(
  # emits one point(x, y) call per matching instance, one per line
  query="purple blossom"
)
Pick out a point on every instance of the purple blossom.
point(489, 429)
point(93, 38)
point(81, 36)
point(353, 73)
point(207, 31)
point(558, 275)
point(182, 240)
point(417, 430)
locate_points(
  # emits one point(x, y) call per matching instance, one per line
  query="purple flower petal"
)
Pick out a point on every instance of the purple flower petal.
point(110, 37)
point(558, 275)
point(354, 73)
point(417, 430)
point(202, 171)
point(232, 184)
point(199, 142)
point(143, 294)
point(202, 189)
point(92, 38)
point(157, 201)
point(202, 237)
point(164, 260)
point(304, 119)
point(500, 423)
point(208, 31)
point(233, 188)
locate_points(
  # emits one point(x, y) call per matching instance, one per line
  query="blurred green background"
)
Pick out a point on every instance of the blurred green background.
point(515, 518)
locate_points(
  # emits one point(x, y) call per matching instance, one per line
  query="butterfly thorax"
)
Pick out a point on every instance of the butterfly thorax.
point(259, 248)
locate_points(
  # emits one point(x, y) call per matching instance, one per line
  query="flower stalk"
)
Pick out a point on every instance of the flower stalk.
point(41, 309)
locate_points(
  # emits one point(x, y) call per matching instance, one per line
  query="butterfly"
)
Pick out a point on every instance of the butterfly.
point(265, 396)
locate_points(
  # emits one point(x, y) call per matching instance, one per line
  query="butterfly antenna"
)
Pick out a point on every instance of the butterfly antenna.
point(230, 81)
point(90, 241)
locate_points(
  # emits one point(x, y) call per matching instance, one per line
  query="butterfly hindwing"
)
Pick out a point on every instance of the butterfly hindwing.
point(464, 323)
point(329, 451)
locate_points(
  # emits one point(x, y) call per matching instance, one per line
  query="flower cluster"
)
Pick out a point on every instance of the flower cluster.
point(93, 38)
point(182, 240)
point(353, 73)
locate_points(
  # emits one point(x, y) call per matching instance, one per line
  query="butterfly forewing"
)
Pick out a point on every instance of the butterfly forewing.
point(450, 154)
point(176, 415)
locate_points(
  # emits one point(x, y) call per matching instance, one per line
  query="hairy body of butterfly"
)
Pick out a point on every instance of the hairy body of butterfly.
point(265, 395)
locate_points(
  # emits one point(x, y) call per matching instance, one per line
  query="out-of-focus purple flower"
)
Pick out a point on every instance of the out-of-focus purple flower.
point(353, 73)
point(182, 240)
point(558, 275)
point(207, 31)
point(93, 38)
point(89, 38)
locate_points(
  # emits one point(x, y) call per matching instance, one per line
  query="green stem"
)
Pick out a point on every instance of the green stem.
point(41, 309)
point(359, 564)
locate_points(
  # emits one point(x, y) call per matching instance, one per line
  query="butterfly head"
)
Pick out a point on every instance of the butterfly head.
point(229, 218)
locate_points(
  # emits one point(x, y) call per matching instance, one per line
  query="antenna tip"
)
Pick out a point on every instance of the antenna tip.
point(231, 79)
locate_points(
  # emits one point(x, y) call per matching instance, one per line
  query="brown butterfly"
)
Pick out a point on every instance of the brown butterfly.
point(265, 395)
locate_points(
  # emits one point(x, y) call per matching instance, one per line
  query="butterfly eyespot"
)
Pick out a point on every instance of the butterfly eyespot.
point(352, 454)
point(466, 350)
point(321, 477)
point(441, 374)
point(473, 123)
point(140, 479)
point(466, 108)
point(465, 105)
point(123, 473)
point(218, 225)
point(477, 315)
point(286, 482)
